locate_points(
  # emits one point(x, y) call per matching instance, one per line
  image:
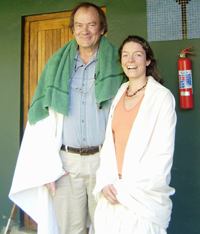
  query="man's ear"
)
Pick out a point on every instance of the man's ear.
point(102, 31)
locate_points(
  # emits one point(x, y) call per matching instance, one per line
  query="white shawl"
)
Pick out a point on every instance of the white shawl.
point(39, 163)
point(144, 187)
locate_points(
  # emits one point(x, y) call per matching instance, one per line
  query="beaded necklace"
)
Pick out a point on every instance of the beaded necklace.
point(135, 91)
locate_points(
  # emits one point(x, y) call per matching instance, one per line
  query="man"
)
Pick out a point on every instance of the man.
point(66, 128)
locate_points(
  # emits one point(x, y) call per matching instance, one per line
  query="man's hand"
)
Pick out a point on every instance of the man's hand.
point(52, 186)
point(110, 193)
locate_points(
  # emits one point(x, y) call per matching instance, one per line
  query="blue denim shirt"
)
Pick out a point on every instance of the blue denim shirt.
point(86, 123)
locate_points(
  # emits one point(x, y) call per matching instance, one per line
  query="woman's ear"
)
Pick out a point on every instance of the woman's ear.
point(148, 62)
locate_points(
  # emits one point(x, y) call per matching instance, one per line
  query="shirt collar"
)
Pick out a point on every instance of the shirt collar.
point(79, 62)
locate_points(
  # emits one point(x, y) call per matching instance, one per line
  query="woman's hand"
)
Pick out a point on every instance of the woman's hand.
point(110, 193)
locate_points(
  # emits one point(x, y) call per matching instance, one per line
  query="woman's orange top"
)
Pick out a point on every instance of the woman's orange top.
point(122, 123)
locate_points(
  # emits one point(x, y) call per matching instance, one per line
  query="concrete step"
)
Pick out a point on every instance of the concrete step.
point(17, 230)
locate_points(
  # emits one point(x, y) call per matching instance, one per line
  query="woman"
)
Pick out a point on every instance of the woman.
point(132, 189)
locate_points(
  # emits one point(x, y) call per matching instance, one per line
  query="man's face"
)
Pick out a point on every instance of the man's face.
point(87, 28)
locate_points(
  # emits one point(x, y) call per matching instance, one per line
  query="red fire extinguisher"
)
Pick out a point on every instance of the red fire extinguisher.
point(185, 80)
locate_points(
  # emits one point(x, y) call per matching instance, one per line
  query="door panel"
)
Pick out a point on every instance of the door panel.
point(44, 35)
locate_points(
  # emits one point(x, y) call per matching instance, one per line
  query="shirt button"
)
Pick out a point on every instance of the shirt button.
point(82, 102)
point(82, 121)
point(83, 139)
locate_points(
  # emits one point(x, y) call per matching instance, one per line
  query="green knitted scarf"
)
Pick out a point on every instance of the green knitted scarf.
point(53, 86)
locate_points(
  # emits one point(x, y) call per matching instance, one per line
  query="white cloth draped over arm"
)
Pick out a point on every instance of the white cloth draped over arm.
point(39, 163)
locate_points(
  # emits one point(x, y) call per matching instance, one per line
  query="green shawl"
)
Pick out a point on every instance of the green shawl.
point(53, 86)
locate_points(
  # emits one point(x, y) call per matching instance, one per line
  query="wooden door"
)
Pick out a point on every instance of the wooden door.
point(44, 35)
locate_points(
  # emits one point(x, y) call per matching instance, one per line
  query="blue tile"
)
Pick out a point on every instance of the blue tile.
point(164, 20)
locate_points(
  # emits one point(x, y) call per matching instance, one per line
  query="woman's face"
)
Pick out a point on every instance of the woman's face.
point(133, 60)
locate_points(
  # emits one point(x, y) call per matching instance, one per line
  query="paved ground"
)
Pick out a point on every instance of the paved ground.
point(16, 230)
